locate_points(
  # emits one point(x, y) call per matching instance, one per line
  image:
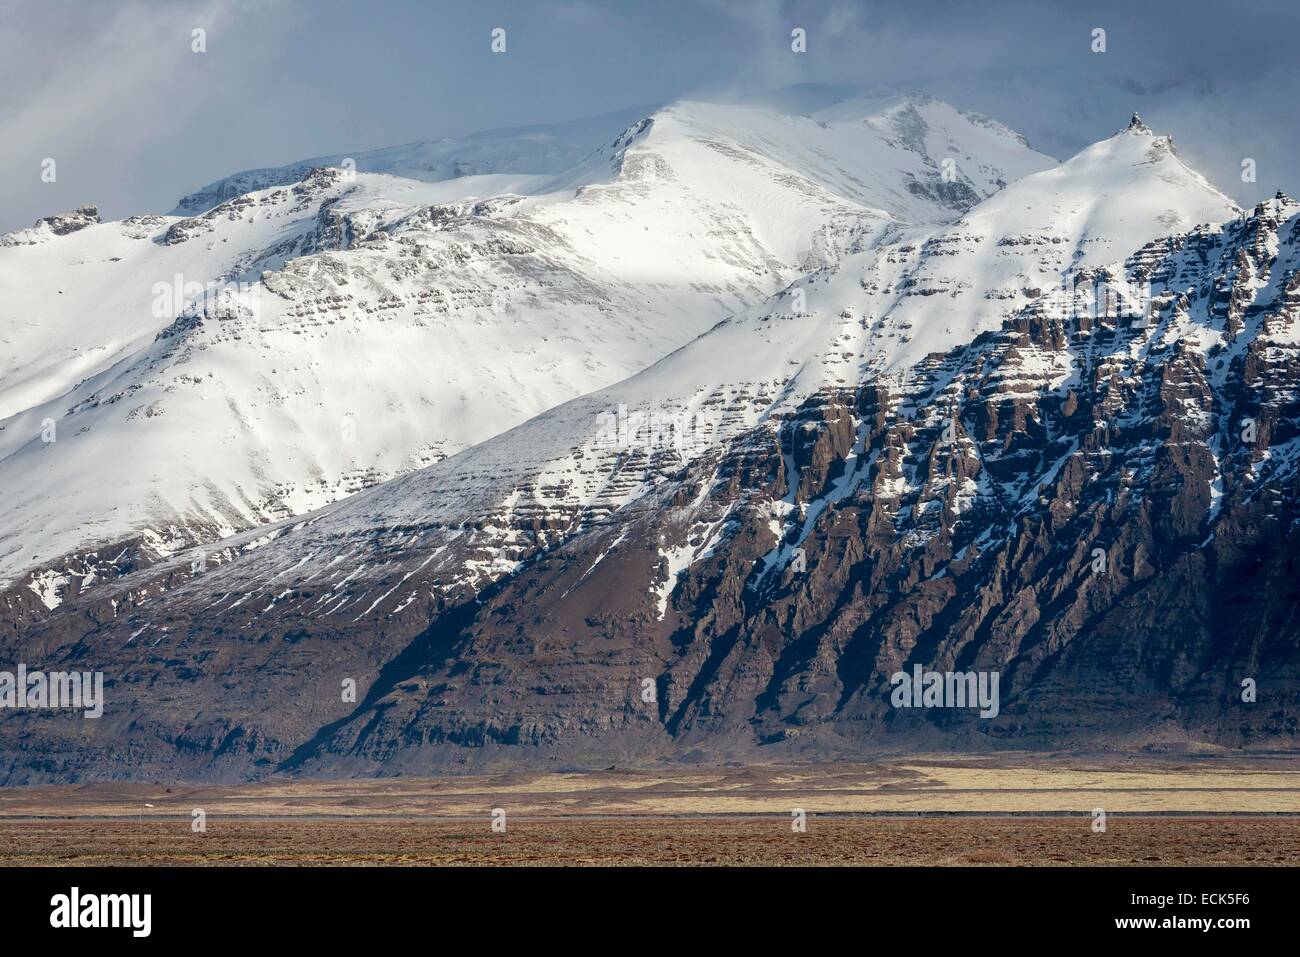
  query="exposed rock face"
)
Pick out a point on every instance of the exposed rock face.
point(1099, 502)
point(49, 226)
point(1137, 126)
point(65, 223)
point(1102, 511)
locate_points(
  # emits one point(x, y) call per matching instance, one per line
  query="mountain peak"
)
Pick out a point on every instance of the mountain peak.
point(1135, 125)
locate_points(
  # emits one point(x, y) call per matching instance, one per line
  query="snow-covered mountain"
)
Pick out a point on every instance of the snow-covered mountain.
point(168, 381)
point(943, 421)
point(578, 464)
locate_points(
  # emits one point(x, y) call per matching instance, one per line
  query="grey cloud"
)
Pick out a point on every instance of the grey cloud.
point(135, 121)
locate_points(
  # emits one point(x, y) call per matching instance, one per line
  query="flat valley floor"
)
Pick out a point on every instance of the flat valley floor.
point(1004, 810)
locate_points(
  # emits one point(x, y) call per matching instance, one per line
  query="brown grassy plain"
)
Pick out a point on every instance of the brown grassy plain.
point(1004, 810)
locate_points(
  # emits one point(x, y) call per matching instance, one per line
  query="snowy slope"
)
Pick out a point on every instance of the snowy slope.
point(1091, 211)
point(887, 307)
point(456, 526)
point(533, 150)
point(387, 322)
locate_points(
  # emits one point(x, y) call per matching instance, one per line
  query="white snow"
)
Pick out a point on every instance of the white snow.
point(389, 321)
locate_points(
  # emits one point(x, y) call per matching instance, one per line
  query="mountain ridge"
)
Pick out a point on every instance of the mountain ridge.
point(526, 290)
point(506, 605)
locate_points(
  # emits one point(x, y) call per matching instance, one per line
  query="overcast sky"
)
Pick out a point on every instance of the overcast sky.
point(134, 119)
